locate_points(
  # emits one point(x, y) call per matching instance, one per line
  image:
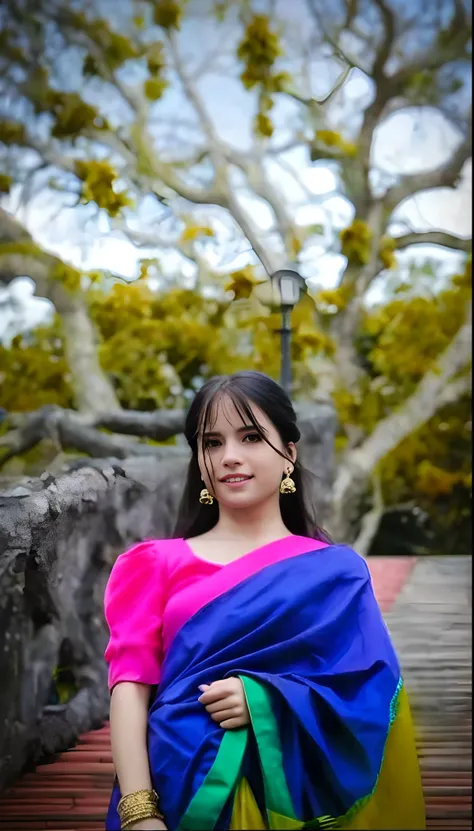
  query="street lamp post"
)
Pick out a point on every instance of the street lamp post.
point(290, 286)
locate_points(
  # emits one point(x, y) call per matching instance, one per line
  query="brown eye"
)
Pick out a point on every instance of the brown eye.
point(209, 443)
point(252, 438)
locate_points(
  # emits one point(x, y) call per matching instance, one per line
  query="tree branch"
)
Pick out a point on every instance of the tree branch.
point(345, 325)
point(82, 38)
point(21, 257)
point(371, 520)
point(162, 173)
point(374, 112)
point(436, 56)
point(333, 40)
point(159, 425)
point(312, 103)
point(270, 261)
point(193, 95)
point(383, 52)
point(447, 176)
point(23, 438)
point(434, 238)
point(71, 430)
point(255, 171)
point(438, 388)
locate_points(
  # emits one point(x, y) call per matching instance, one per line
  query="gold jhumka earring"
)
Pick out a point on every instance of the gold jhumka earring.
point(287, 485)
point(205, 497)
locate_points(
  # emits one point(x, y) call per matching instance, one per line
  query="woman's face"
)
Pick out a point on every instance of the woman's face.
point(244, 470)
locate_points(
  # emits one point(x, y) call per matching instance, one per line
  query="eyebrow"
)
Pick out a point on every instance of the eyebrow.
point(240, 430)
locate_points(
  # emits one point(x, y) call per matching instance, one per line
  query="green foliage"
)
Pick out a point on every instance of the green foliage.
point(399, 342)
point(156, 61)
point(152, 343)
point(26, 248)
point(464, 280)
point(356, 243)
point(11, 132)
point(5, 183)
point(429, 88)
point(167, 14)
point(333, 139)
point(220, 10)
point(433, 468)
point(99, 179)
point(263, 125)
point(68, 276)
point(157, 347)
point(243, 282)
point(387, 252)
point(258, 50)
point(395, 352)
point(115, 49)
point(34, 372)
point(154, 88)
point(193, 232)
point(9, 48)
point(72, 115)
point(331, 301)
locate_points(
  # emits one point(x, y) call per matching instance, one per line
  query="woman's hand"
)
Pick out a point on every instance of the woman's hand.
point(225, 702)
point(148, 825)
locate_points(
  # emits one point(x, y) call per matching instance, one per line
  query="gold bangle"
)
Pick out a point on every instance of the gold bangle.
point(138, 817)
point(142, 804)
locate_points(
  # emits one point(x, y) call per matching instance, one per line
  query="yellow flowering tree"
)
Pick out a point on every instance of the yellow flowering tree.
point(157, 347)
point(95, 113)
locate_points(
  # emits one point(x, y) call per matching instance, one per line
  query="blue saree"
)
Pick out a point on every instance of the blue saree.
point(330, 744)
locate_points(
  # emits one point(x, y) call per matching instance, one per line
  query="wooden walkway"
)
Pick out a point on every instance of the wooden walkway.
point(427, 606)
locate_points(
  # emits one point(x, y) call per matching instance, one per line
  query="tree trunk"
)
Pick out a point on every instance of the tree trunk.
point(93, 391)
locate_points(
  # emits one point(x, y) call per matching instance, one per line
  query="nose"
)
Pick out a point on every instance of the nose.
point(232, 454)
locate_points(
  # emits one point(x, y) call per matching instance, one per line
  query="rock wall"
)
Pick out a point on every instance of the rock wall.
point(59, 537)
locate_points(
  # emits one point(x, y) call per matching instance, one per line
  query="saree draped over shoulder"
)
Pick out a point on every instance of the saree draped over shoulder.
point(331, 742)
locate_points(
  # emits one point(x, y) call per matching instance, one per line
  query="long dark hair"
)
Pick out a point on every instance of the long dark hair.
point(243, 388)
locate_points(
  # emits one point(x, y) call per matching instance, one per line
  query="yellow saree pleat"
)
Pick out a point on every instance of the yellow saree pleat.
point(397, 800)
point(246, 813)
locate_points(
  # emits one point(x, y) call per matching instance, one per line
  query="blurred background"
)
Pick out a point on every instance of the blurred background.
point(194, 187)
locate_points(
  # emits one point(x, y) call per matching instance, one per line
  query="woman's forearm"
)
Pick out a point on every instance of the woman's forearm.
point(128, 727)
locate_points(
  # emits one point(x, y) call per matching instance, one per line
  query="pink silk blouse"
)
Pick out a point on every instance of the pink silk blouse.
point(157, 585)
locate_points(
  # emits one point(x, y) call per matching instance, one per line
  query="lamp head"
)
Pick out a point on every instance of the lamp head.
point(290, 285)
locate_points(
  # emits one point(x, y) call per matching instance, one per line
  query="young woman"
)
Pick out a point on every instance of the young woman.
point(254, 683)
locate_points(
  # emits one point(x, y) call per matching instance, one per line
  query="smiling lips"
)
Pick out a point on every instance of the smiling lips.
point(235, 480)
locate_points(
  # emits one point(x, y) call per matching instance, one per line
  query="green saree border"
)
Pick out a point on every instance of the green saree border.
point(222, 779)
point(208, 802)
point(277, 795)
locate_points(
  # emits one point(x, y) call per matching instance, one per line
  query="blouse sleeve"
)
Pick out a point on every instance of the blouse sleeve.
point(133, 604)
